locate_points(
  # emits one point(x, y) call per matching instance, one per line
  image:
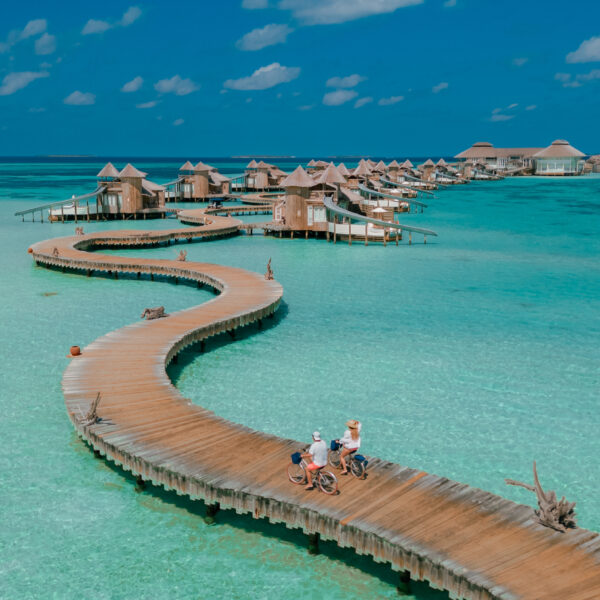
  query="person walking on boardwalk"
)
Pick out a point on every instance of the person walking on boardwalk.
point(350, 441)
point(317, 454)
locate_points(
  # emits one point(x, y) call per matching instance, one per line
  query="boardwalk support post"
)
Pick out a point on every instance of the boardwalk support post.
point(140, 484)
point(211, 513)
point(404, 583)
point(313, 543)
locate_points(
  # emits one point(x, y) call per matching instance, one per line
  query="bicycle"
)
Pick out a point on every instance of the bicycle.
point(356, 463)
point(323, 480)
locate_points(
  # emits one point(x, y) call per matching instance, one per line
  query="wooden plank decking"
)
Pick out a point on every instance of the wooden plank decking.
point(472, 543)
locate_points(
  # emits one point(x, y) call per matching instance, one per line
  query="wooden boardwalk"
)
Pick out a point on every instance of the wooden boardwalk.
point(472, 543)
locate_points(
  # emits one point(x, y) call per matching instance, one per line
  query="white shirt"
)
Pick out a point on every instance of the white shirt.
point(348, 442)
point(318, 451)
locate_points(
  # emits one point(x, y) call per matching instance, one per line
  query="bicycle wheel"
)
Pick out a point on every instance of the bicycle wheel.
point(296, 474)
point(358, 468)
point(334, 458)
point(327, 482)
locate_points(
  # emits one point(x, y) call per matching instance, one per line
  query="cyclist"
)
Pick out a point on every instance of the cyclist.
point(317, 454)
point(350, 442)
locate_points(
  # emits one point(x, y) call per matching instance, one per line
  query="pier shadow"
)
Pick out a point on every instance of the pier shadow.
point(197, 510)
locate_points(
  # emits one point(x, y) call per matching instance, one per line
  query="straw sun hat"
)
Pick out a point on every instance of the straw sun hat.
point(352, 423)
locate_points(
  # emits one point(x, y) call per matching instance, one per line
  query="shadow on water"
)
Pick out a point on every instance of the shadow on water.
point(197, 509)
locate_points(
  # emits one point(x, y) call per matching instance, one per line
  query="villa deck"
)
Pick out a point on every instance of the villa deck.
point(472, 543)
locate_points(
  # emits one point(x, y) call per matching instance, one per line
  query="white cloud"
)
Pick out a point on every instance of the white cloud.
point(588, 51)
point(269, 35)
point(324, 12)
point(33, 28)
point(519, 62)
point(133, 86)
point(176, 85)
point(496, 118)
point(248, 100)
point(391, 100)
point(450, 3)
point(45, 44)
point(13, 82)
point(439, 87)
point(511, 106)
point(593, 74)
point(178, 122)
point(339, 97)
point(150, 104)
point(345, 82)
point(45, 65)
point(306, 107)
point(255, 4)
point(362, 101)
point(563, 77)
point(78, 98)
point(264, 78)
point(531, 107)
point(131, 15)
point(499, 114)
point(35, 109)
point(95, 26)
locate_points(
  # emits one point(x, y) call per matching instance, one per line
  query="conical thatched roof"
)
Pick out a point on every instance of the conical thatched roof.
point(370, 162)
point(428, 163)
point(321, 164)
point(299, 178)
point(262, 165)
point(311, 163)
point(203, 167)
point(441, 163)
point(559, 149)
point(343, 170)
point(394, 165)
point(330, 175)
point(363, 168)
point(108, 171)
point(380, 166)
point(188, 166)
point(407, 164)
point(252, 164)
point(131, 171)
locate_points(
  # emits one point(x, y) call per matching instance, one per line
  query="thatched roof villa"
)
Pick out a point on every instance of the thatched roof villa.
point(559, 158)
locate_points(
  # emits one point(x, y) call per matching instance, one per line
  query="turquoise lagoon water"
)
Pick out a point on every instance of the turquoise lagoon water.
point(468, 357)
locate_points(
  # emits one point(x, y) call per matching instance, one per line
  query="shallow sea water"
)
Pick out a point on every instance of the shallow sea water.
point(468, 357)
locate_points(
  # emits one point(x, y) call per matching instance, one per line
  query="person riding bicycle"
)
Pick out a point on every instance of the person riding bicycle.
point(350, 441)
point(317, 454)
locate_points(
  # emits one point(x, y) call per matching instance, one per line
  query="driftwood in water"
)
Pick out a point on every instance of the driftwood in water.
point(154, 313)
point(559, 515)
point(182, 255)
point(91, 418)
point(269, 273)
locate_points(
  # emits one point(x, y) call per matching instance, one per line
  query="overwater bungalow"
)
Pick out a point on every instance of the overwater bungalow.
point(125, 194)
point(506, 160)
point(560, 158)
point(197, 183)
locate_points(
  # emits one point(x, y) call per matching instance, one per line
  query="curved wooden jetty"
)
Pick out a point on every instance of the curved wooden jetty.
point(474, 544)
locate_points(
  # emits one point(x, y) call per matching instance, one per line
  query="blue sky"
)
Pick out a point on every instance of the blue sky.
point(297, 77)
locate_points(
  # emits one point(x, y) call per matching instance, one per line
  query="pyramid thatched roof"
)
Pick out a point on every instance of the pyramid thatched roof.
point(311, 163)
point(394, 165)
point(131, 171)
point(441, 163)
point(343, 170)
point(380, 166)
point(299, 178)
point(428, 163)
point(252, 164)
point(370, 162)
point(108, 171)
point(407, 164)
point(363, 168)
point(263, 165)
point(559, 149)
point(330, 175)
point(203, 167)
point(187, 166)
